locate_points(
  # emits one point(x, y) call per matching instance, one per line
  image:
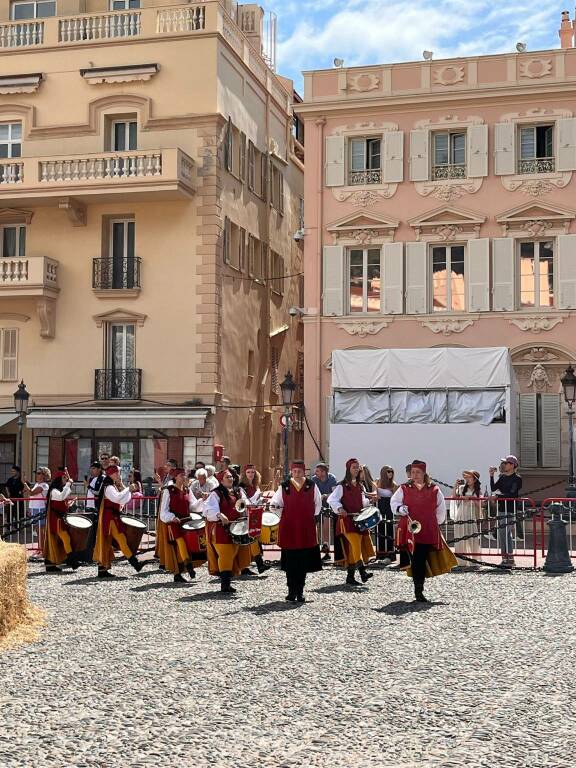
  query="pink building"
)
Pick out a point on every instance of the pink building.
point(440, 211)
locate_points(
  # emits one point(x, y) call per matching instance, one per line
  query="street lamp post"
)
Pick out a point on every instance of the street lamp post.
point(21, 398)
point(288, 387)
point(568, 381)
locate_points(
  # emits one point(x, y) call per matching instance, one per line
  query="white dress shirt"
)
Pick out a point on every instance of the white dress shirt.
point(254, 499)
point(278, 500)
point(212, 507)
point(118, 497)
point(194, 505)
point(335, 498)
point(398, 507)
point(62, 495)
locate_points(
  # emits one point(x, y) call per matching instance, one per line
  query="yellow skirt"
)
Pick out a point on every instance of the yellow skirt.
point(438, 562)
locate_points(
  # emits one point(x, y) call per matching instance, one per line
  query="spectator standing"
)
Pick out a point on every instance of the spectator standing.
point(211, 472)
point(14, 484)
point(466, 508)
point(225, 464)
point(325, 481)
point(386, 488)
point(508, 485)
point(200, 486)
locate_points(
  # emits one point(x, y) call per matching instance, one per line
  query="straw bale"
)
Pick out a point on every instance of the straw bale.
point(20, 621)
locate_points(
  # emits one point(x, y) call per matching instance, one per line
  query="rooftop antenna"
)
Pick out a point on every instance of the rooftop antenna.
point(271, 36)
point(427, 55)
point(338, 63)
point(521, 47)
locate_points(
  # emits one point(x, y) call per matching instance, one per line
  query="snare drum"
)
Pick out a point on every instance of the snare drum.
point(270, 526)
point(239, 532)
point(368, 518)
point(79, 531)
point(134, 531)
point(195, 533)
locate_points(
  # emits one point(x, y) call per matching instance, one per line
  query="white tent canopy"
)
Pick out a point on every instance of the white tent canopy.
point(437, 368)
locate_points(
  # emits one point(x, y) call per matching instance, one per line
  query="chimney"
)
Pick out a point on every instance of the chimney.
point(566, 31)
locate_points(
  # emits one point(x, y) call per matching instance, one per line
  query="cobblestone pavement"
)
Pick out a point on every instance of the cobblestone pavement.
point(141, 672)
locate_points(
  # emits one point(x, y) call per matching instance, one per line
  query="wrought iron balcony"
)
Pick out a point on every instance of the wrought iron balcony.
point(116, 274)
point(359, 178)
point(448, 172)
point(117, 383)
point(537, 165)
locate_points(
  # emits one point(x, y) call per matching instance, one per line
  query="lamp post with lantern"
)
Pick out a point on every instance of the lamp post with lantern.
point(568, 381)
point(288, 387)
point(21, 398)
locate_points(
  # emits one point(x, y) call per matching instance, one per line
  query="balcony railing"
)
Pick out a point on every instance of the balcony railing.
point(448, 172)
point(21, 33)
point(365, 177)
point(537, 165)
point(113, 166)
point(116, 274)
point(11, 172)
point(117, 384)
point(28, 276)
point(102, 26)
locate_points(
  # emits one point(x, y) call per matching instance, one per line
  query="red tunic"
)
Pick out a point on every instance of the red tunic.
point(111, 511)
point(421, 505)
point(227, 507)
point(179, 506)
point(352, 503)
point(297, 528)
point(57, 510)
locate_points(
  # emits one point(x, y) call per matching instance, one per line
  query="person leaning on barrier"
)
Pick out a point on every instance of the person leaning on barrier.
point(325, 482)
point(509, 485)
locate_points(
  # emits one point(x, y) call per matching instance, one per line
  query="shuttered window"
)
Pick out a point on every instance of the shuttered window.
point(540, 430)
point(9, 353)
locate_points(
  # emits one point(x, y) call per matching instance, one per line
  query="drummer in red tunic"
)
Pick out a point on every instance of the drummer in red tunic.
point(424, 502)
point(57, 546)
point(249, 485)
point(225, 558)
point(348, 499)
point(175, 506)
point(299, 502)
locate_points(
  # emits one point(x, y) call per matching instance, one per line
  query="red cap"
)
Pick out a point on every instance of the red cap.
point(249, 466)
point(297, 464)
point(58, 475)
point(112, 470)
point(176, 471)
point(350, 462)
point(417, 464)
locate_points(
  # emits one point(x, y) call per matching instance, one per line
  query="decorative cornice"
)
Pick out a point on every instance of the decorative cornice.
point(15, 216)
point(364, 236)
point(363, 82)
point(451, 74)
point(449, 121)
point(363, 198)
point(534, 68)
point(361, 128)
point(538, 113)
point(363, 328)
point(536, 323)
point(119, 315)
point(123, 74)
point(449, 325)
point(448, 190)
point(14, 317)
point(536, 186)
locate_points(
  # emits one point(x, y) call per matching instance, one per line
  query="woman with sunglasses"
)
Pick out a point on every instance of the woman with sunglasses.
point(386, 487)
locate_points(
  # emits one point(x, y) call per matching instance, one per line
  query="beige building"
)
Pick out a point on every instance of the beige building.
point(150, 190)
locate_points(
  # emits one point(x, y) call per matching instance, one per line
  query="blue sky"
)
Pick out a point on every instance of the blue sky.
point(312, 33)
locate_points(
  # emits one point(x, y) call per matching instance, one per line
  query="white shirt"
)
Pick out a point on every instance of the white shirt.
point(252, 499)
point(384, 493)
point(398, 508)
point(62, 495)
point(37, 502)
point(117, 497)
point(335, 498)
point(278, 501)
point(194, 505)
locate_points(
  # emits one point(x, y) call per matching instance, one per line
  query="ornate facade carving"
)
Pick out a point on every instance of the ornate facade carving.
point(449, 325)
point(448, 75)
point(536, 323)
point(536, 220)
point(539, 355)
point(449, 121)
point(363, 81)
point(363, 198)
point(75, 210)
point(447, 231)
point(361, 128)
point(448, 190)
point(46, 311)
point(535, 187)
point(137, 73)
point(360, 236)
point(363, 328)
point(534, 68)
point(447, 223)
point(539, 380)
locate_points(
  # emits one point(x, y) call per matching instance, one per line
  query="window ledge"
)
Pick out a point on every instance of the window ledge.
point(364, 195)
point(111, 293)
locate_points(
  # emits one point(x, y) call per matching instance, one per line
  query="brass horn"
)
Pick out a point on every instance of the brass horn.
point(415, 526)
point(240, 506)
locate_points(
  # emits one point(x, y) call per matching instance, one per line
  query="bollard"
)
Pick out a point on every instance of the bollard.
point(558, 557)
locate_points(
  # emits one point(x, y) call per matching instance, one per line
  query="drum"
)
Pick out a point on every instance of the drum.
point(239, 532)
point(195, 533)
point(368, 518)
point(270, 526)
point(134, 531)
point(79, 531)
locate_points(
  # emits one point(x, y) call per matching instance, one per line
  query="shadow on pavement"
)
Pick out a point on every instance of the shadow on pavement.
point(206, 596)
point(93, 580)
point(161, 585)
point(275, 606)
point(400, 608)
point(332, 588)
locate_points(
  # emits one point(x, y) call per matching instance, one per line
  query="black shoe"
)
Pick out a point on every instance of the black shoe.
point(53, 569)
point(351, 581)
point(420, 598)
point(191, 571)
point(419, 592)
point(161, 567)
point(300, 598)
point(365, 575)
point(106, 575)
point(72, 561)
point(225, 585)
point(261, 565)
point(248, 572)
point(135, 563)
point(326, 558)
point(290, 597)
point(179, 579)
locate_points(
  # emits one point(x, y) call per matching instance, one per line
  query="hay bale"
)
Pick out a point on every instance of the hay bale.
point(19, 619)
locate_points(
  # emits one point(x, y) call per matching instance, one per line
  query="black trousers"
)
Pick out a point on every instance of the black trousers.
point(295, 579)
point(385, 540)
point(418, 559)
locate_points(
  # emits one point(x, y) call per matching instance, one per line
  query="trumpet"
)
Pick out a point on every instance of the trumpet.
point(414, 526)
point(240, 506)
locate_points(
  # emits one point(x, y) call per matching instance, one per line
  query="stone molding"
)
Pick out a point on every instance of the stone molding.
point(536, 323)
point(449, 325)
point(127, 74)
point(363, 328)
point(364, 198)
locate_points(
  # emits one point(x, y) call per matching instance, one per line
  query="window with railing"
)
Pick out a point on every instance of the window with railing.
point(536, 144)
point(13, 241)
point(448, 278)
point(365, 161)
point(10, 147)
point(119, 268)
point(449, 153)
point(120, 380)
point(536, 273)
point(364, 279)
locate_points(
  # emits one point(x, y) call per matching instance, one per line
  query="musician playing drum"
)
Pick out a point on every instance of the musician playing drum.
point(424, 502)
point(57, 544)
point(299, 502)
point(346, 500)
point(225, 558)
point(175, 505)
point(111, 530)
point(250, 480)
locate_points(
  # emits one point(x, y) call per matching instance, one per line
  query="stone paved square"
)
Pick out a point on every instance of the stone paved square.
point(141, 672)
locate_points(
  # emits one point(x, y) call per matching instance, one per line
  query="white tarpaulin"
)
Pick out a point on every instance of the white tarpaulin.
point(438, 368)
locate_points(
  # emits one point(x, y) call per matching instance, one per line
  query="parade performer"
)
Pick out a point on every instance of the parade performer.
point(176, 503)
point(57, 546)
point(422, 501)
point(249, 485)
point(111, 530)
point(298, 502)
point(386, 487)
point(164, 479)
point(352, 548)
point(225, 558)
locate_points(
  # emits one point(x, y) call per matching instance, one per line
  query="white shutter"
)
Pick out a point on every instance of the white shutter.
point(503, 274)
point(419, 166)
point(393, 278)
point(393, 167)
point(333, 280)
point(478, 275)
point(566, 143)
point(550, 426)
point(528, 431)
point(9, 352)
point(566, 271)
point(504, 160)
point(416, 282)
point(477, 149)
point(335, 170)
